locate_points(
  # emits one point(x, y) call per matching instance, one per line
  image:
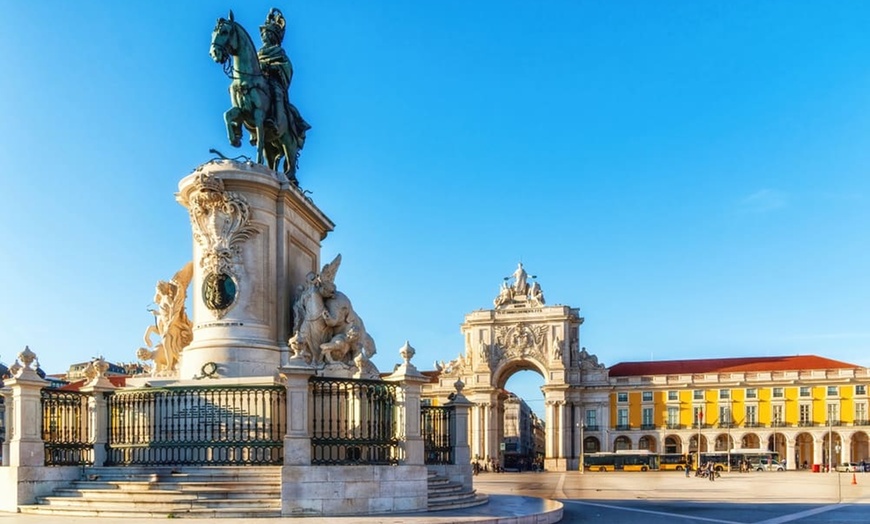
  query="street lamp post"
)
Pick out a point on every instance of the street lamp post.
point(830, 439)
point(700, 419)
point(729, 439)
point(773, 425)
point(582, 446)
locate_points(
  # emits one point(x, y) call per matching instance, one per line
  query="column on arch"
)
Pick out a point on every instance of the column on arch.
point(550, 428)
point(564, 427)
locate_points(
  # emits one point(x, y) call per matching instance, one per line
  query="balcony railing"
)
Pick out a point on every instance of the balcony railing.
point(806, 423)
point(623, 427)
point(674, 426)
point(647, 427)
point(727, 425)
point(861, 422)
point(592, 427)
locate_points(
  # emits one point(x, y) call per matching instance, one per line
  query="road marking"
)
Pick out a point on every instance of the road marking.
point(560, 492)
point(651, 512)
point(802, 514)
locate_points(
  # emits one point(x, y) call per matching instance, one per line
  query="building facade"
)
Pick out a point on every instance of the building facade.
point(523, 442)
point(809, 409)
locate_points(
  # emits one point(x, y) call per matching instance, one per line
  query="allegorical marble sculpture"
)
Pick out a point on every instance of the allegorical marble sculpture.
point(327, 332)
point(171, 324)
point(520, 293)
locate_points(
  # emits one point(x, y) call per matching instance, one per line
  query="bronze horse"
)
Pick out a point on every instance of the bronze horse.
point(252, 100)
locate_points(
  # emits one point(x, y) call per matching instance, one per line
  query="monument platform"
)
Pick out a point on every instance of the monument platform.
point(502, 509)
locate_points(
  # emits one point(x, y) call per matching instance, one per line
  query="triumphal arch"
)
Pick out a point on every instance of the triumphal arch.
point(521, 332)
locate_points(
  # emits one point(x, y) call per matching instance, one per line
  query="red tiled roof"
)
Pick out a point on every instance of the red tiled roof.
point(726, 365)
point(116, 380)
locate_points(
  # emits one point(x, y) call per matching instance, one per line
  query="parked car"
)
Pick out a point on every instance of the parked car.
point(768, 465)
point(849, 467)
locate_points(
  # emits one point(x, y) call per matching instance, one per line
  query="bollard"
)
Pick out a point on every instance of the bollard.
point(854, 479)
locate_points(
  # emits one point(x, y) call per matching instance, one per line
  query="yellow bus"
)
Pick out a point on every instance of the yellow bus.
point(672, 462)
point(630, 460)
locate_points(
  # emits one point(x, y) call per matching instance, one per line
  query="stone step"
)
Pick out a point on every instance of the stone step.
point(164, 505)
point(202, 474)
point(223, 513)
point(444, 495)
point(461, 495)
point(175, 485)
point(477, 500)
point(166, 494)
point(202, 492)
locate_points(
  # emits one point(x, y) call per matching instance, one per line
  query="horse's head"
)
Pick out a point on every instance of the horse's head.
point(223, 39)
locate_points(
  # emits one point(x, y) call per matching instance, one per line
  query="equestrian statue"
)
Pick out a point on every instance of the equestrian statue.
point(259, 91)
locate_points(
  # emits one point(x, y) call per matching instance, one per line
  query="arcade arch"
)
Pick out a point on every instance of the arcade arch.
point(673, 444)
point(723, 442)
point(804, 448)
point(860, 447)
point(591, 445)
point(647, 442)
point(751, 441)
point(832, 448)
point(621, 443)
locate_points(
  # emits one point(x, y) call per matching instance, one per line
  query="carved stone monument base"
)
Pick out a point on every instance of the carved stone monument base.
point(255, 238)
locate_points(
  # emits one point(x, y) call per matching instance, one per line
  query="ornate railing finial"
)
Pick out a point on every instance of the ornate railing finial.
point(407, 352)
point(27, 357)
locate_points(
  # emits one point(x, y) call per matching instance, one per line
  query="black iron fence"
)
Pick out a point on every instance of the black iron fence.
point(436, 428)
point(353, 422)
point(66, 428)
point(209, 425)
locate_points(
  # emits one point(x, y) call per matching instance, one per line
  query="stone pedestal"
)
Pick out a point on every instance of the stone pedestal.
point(26, 447)
point(98, 412)
point(297, 441)
point(411, 381)
point(255, 238)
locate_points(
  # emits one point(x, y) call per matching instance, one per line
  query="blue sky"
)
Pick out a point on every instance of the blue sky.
point(692, 175)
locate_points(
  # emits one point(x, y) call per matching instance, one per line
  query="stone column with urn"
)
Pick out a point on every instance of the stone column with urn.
point(26, 476)
point(461, 471)
point(410, 381)
point(97, 386)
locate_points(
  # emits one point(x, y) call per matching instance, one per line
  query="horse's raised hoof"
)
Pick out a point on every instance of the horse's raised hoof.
point(236, 142)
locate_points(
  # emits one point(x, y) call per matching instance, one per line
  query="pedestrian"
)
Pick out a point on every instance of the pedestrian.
point(688, 469)
point(711, 472)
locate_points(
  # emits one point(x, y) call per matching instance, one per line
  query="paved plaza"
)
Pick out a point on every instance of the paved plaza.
point(651, 498)
point(671, 497)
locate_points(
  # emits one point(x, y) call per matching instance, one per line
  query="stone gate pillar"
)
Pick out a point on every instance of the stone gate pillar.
point(297, 441)
point(26, 447)
point(461, 472)
point(98, 412)
point(411, 381)
point(25, 476)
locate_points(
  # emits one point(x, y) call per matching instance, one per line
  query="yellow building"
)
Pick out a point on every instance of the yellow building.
point(806, 408)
